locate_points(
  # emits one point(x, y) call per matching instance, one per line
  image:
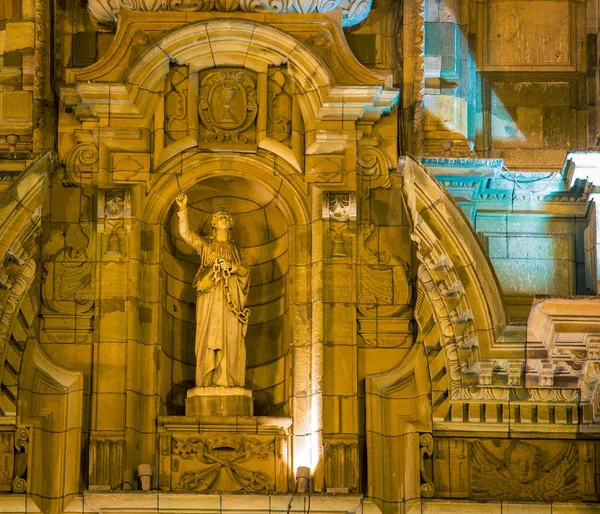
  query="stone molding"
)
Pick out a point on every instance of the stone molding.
point(353, 11)
point(116, 503)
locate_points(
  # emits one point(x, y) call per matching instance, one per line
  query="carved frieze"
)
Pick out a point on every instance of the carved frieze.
point(513, 470)
point(227, 105)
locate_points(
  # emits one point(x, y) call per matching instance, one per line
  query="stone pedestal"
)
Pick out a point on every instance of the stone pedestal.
point(218, 401)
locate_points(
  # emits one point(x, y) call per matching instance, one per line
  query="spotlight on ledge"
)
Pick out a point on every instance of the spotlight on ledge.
point(145, 475)
point(302, 479)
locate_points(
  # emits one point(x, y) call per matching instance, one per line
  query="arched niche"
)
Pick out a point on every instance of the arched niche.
point(262, 231)
point(271, 224)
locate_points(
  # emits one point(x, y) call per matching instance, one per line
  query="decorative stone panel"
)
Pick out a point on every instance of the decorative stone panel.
point(514, 469)
point(223, 454)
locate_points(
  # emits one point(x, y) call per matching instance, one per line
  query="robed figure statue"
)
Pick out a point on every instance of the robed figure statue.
point(221, 284)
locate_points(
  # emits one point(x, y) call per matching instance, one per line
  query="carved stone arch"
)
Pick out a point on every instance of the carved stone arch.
point(19, 254)
point(459, 299)
point(182, 171)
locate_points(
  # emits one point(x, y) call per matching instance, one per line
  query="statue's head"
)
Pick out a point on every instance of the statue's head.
point(221, 219)
point(524, 462)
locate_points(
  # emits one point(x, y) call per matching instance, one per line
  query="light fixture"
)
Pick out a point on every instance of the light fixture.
point(302, 479)
point(145, 475)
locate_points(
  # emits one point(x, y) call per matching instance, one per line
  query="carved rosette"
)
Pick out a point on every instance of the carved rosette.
point(227, 106)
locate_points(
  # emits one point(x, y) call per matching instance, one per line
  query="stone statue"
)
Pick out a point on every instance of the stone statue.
point(221, 284)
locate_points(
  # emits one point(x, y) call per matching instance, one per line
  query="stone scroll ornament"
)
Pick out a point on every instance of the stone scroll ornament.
point(353, 11)
point(222, 284)
point(524, 473)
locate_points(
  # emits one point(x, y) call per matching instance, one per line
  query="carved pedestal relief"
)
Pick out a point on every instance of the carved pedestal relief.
point(233, 455)
point(223, 463)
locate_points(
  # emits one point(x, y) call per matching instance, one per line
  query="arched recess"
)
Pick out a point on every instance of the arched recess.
point(242, 180)
point(265, 236)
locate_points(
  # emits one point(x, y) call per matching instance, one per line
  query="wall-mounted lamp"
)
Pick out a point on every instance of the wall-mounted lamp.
point(145, 474)
point(302, 479)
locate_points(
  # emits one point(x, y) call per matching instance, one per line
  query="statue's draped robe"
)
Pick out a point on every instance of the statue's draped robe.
point(220, 349)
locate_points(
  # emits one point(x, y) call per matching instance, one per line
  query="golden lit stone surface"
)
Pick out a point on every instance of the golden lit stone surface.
point(397, 290)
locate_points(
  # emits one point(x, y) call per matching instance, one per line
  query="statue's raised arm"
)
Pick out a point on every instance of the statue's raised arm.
point(188, 235)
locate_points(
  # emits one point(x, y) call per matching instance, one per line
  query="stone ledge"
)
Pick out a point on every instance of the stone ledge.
point(111, 502)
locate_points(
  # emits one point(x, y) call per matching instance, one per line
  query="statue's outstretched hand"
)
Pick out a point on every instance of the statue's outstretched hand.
point(181, 201)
